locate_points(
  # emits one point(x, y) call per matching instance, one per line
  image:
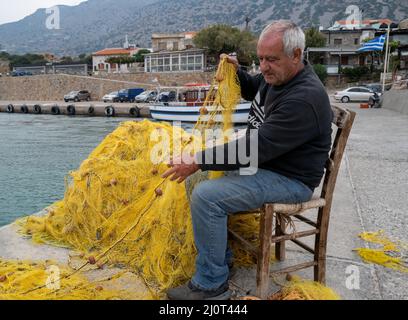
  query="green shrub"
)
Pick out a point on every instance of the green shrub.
point(321, 72)
point(356, 73)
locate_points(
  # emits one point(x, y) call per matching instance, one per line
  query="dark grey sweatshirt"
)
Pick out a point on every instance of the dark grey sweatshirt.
point(293, 128)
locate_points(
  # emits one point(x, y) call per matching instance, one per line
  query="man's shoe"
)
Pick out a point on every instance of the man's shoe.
point(189, 292)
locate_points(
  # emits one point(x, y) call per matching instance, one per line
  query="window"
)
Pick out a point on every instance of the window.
point(162, 46)
point(338, 41)
point(175, 45)
point(354, 90)
point(356, 41)
point(344, 60)
point(175, 62)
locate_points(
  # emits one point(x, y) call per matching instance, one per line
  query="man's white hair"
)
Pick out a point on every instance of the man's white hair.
point(293, 36)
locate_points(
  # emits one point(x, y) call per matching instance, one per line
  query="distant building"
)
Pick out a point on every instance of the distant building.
point(343, 40)
point(99, 59)
point(373, 24)
point(172, 42)
point(175, 53)
point(4, 66)
point(400, 35)
point(188, 60)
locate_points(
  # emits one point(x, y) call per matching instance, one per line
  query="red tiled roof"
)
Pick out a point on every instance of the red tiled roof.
point(365, 22)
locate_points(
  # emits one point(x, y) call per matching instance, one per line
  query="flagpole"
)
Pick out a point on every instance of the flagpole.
point(386, 58)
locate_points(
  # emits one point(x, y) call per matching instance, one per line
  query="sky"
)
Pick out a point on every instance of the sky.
point(14, 10)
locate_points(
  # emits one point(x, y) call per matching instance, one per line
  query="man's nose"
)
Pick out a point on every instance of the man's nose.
point(263, 66)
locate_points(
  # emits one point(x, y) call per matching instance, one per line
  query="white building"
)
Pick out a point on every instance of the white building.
point(175, 53)
point(99, 59)
point(175, 61)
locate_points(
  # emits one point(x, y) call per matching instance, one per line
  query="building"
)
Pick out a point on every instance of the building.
point(175, 53)
point(188, 60)
point(400, 35)
point(343, 40)
point(4, 66)
point(172, 42)
point(371, 24)
point(99, 59)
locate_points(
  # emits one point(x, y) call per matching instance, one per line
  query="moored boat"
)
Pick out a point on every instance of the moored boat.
point(188, 109)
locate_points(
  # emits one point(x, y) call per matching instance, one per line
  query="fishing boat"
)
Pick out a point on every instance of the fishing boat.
point(189, 105)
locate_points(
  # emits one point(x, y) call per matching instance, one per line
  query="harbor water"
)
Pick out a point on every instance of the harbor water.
point(37, 152)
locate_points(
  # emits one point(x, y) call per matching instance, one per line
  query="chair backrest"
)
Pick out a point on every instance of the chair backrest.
point(343, 120)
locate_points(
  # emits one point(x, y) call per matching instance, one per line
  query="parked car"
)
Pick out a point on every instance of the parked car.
point(20, 73)
point(146, 96)
point(111, 97)
point(129, 95)
point(78, 96)
point(376, 87)
point(354, 94)
point(167, 96)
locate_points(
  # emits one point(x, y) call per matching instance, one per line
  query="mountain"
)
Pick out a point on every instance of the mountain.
point(97, 24)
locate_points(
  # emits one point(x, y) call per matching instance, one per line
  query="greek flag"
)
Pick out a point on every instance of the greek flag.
point(377, 44)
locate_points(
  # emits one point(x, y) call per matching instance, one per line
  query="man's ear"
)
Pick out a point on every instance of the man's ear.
point(297, 55)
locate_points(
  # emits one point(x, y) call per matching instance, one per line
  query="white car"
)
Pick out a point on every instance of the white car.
point(111, 97)
point(146, 96)
point(354, 94)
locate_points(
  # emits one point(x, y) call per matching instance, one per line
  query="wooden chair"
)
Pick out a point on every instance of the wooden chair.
point(283, 213)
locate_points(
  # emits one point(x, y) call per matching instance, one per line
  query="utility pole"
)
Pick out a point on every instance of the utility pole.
point(247, 20)
point(386, 57)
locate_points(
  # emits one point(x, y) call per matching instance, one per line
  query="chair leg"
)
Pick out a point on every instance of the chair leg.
point(321, 245)
point(320, 271)
point(280, 228)
point(264, 254)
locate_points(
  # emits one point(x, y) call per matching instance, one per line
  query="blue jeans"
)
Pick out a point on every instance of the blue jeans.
point(212, 201)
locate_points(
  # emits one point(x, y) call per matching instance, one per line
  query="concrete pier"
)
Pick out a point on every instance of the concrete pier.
point(370, 194)
point(91, 108)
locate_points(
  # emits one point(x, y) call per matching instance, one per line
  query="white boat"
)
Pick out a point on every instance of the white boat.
point(189, 109)
point(182, 112)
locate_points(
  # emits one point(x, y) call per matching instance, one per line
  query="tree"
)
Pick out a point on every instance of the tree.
point(314, 39)
point(121, 60)
point(139, 56)
point(223, 38)
point(26, 59)
point(321, 72)
point(84, 58)
point(67, 60)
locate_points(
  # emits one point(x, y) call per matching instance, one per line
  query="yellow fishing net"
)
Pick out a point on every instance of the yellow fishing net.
point(48, 280)
point(300, 289)
point(119, 212)
point(390, 255)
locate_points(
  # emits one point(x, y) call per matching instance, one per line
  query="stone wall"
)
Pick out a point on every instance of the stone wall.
point(396, 100)
point(54, 87)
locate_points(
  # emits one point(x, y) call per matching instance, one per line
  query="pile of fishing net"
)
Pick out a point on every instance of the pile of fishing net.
point(118, 211)
point(49, 281)
point(300, 289)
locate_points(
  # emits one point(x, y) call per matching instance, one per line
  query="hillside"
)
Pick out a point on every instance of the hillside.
point(97, 24)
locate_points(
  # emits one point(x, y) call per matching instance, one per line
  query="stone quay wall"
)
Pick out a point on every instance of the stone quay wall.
point(54, 87)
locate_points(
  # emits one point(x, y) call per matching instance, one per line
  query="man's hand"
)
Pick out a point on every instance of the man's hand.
point(231, 59)
point(181, 168)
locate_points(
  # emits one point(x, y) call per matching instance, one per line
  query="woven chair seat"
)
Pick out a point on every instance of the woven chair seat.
point(296, 208)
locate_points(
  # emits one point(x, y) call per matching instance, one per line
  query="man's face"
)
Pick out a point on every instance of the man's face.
point(276, 67)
